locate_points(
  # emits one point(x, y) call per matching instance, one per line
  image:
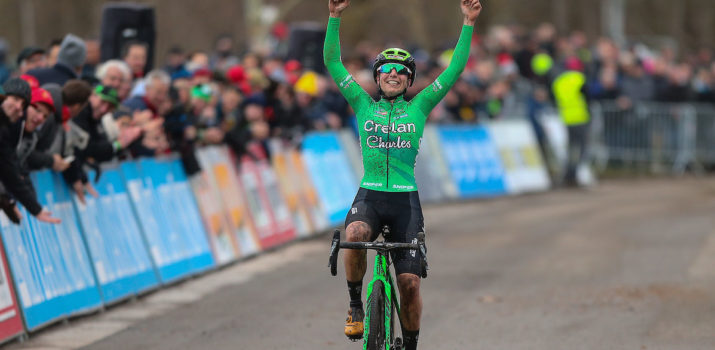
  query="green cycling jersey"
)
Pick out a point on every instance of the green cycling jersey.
point(391, 131)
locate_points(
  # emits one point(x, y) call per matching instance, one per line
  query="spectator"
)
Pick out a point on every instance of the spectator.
point(4, 71)
point(203, 115)
point(70, 60)
point(75, 95)
point(41, 109)
point(636, 85)
point(48, 149)
point(571, 98)
point(176, 63)
point(223, 57)
point(135, 54)
point(251, 128)
point(89, 142)
point(92, 61)
point(31, 58)
point(17, 96)
point(53, 51)
point(115, 74)
point(156, 96)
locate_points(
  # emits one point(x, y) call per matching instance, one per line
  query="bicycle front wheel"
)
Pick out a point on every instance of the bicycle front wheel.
point(376, 309)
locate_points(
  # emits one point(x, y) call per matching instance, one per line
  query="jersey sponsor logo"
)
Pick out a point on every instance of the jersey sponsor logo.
point(371, 126)
point(353, 211)
point(403, 187)
point(413, 252)
point(373, 184)
point(347, 82)
point(436, 86)
point(379, 142)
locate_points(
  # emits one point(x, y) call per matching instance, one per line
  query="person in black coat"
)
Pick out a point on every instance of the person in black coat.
point(71, 58)
point(15, 99)
point(47, 153)
point(88, 141)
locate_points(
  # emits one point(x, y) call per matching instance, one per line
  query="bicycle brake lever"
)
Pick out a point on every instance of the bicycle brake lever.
point(423, 253)
point(334, 248)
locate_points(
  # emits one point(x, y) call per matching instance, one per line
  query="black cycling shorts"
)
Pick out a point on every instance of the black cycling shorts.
point(402, 212)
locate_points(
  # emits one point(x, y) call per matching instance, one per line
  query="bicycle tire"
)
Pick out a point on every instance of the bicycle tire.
point(376, 336)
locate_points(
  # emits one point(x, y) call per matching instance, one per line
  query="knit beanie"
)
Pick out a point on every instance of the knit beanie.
point(18, 87)
point(73, 51)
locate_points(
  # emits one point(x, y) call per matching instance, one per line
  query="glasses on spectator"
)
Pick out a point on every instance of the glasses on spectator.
point(400, 69)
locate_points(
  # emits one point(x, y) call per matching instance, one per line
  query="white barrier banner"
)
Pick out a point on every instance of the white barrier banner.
point(518, 148)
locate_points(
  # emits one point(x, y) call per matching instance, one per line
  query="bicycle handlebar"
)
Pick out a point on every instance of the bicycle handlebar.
point(336, 245)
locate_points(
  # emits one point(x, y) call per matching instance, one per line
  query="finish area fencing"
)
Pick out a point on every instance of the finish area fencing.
point(653, 137)
point(151, 225)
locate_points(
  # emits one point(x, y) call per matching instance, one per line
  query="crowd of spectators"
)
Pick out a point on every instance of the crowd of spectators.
point(64, 109)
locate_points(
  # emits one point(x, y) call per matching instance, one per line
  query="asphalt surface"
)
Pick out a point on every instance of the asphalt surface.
point(627, 265)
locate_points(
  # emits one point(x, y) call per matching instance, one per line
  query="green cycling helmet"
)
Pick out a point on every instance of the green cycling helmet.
point(395, 55)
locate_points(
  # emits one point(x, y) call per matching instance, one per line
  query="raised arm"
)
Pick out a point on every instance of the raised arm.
point(353, 92)
point(428, 98)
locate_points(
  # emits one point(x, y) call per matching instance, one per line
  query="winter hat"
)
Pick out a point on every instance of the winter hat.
point(56, 92)
point(18, 87)
point(27, 53)
point(73, 51)
point(307, 84)
point(34, 84)
point(202, 92)
point(108, 94)
point(40, 95)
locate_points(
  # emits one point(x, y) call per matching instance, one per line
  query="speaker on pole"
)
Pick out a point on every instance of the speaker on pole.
point(126, 22)
point(305, 44)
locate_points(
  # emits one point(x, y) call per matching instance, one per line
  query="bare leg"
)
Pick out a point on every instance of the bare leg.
point(410, 300)
point(356, 260)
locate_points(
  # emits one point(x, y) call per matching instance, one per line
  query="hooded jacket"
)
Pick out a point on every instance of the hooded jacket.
point(15, 181)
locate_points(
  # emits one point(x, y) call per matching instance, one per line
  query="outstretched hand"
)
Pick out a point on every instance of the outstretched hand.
point(337, 7)
point(471, 10)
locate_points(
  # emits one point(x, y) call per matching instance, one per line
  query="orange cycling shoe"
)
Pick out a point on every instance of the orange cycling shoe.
point(354, 326)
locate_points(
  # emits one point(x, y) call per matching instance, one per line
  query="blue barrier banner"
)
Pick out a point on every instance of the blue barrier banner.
point(331, 173)
point(473, 160)
point(118, 251)
point(50, 265)
point(169, 217)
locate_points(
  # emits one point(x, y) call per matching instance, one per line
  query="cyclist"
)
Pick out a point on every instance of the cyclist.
point(390, 132)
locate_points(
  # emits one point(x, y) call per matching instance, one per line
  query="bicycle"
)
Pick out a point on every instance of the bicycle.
point(381, 294)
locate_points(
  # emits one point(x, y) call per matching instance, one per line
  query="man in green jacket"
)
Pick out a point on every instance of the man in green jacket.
point(390, 132)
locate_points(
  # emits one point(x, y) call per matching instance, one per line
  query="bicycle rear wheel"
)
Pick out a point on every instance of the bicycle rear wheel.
point(376, 309)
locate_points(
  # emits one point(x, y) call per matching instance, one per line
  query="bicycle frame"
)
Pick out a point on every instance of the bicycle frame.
point(382, 273)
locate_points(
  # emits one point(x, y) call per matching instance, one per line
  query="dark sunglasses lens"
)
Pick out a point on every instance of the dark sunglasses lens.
point(387, 68)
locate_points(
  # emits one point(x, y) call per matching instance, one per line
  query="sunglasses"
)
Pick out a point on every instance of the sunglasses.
point(399, 68)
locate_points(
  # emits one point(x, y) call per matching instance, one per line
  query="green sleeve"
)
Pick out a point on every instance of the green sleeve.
point(428, 98)
point(354, 93)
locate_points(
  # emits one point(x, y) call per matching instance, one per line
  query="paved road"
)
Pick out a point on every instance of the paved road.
point(629, 265)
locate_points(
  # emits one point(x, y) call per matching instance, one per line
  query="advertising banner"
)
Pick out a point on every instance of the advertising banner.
point(431, 172)
point(351, 145)
point(10, 319)
point(224, 247)
point(521, 157)
point(50, 266)
point(270, 215)
point(298, 191)
point(116, 247)
point(169, 217)
point(229, 197)
point(473, 160)
point(331, 173)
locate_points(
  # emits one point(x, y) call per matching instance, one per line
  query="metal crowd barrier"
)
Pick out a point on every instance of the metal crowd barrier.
point(655, 137)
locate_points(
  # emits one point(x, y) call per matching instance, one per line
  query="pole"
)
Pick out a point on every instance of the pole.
point(613, 14)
